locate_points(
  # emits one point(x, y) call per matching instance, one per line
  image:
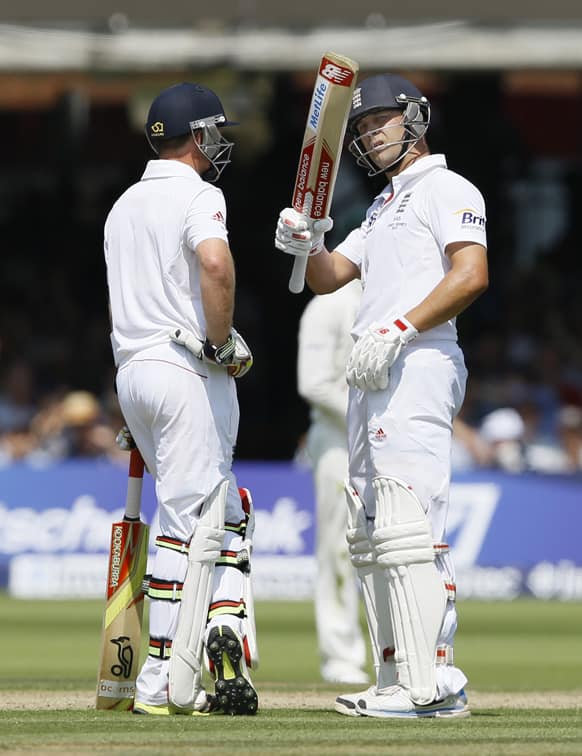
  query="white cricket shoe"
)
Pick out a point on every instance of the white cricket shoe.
point(344, 674)
point(395, 702)
point(347, 703)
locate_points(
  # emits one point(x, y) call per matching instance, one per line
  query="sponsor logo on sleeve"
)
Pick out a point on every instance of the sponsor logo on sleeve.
point(218, 216)
point(470, 217)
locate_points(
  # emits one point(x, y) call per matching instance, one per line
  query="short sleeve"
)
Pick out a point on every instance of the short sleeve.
point(206, 217)
point(352, 246)
point(456, 211)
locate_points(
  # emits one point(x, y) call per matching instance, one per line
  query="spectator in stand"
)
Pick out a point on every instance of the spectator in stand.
point(570, 433)
point(503, 429)
point(470, 451)
point(16, 397)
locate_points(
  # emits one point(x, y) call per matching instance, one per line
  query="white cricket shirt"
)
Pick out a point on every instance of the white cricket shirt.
point(400, 246)
point(152, 272)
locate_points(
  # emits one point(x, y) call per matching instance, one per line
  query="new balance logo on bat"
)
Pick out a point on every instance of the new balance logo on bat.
point(336, 74)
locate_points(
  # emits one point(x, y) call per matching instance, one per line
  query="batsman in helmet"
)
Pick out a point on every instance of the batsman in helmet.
point(421, 256)
point(170, 274)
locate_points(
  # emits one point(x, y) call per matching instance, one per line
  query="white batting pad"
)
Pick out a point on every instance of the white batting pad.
point(249, 621)
point(185, 670)
point(374, 585)
point(402, 540)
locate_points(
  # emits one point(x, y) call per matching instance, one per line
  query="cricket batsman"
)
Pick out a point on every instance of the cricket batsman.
point(421, 255)
point(171, 282)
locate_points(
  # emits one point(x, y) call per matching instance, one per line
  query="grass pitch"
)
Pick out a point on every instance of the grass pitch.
point(516, 649)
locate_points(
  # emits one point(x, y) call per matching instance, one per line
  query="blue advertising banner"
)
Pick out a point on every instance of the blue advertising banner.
point(509, 535)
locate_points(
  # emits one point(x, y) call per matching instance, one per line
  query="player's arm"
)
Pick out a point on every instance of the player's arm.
point(329, 271)
point(467, 279)
point(375, 352)
point(217, 283)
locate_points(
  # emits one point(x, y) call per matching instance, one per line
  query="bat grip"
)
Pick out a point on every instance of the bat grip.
point(134, 485)
point(297, 280)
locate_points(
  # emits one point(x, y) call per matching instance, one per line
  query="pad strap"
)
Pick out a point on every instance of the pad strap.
point(445, 655)
point(160, 648)
point(234, 608)
point(164, 542)
point(237, 527)
point(237, 559)
point(164, 590)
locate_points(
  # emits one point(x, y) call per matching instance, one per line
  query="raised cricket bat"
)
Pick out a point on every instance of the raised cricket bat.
point(322, 145)
point(122, 620)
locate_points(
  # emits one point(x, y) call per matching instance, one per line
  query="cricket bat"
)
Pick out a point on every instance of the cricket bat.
point(122, 621)
point(322, 145)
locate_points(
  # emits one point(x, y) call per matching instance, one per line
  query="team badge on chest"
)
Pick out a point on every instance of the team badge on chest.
point(398, 219)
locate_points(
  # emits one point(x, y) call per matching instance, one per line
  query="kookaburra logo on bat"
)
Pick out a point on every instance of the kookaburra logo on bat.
point(124, 657)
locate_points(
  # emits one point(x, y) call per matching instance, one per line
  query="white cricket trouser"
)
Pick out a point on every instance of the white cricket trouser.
point(336, 591)
point(183, 415)
point(405, 431)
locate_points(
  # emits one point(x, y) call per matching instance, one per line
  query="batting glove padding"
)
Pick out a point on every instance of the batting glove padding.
point(375, 352)
point(234, 355)
point(299, 235)
point(124, 439)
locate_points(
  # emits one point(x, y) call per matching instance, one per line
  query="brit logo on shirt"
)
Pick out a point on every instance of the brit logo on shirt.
point(469, 217)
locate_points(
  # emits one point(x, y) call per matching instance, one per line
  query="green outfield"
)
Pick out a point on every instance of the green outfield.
point(524, 661)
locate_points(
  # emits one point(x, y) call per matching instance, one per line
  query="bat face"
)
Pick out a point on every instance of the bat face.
point(322, 144)
point(123, 615)
point(324, 133)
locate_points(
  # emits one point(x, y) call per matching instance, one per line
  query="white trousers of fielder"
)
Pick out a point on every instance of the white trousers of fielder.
point(340, 641)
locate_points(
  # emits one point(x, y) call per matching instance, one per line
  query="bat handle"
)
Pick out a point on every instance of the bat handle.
point(134, 485)
point(297, 280)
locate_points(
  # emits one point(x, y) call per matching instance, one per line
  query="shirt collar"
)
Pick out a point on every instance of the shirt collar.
point(156, 169)
point(420, 166)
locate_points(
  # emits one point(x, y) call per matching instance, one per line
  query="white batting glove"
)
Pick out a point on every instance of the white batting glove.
point(242, 361)
point(375, 352)
point(299, 235)
point(235, 355)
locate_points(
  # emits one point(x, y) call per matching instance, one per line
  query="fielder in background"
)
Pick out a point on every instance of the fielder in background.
point(421, 255)
point(171, 283)
point(324, 346)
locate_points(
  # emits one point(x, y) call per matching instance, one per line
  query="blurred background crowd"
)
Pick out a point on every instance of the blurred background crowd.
point(75, 142)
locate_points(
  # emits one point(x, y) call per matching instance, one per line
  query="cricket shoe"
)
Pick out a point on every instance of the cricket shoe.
point(205, 703)
point(395, 702)
point(165, 710)
point(347, 703)
point(233, 688)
